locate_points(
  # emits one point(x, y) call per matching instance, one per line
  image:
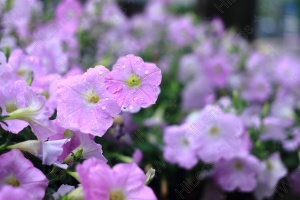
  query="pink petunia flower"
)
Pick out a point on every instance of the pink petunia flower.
point(84, 103)
point(123, 181)
point(134, 83)
point(24, 107)
point(18, 172)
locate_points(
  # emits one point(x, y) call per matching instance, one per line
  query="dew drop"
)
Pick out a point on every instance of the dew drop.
point(123, 66)
point(100, 72)
point(146, 71)
point(103, 107)
point(130, 107)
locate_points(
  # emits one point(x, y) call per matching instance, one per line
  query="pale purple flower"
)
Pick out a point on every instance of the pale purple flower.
point(20, 173)
point(271, 171)
point(258, 88)
point(123, 181)
point(218, 70)
point(24, 107)
point(283, 106)
point(47, 87)
point(180, 146)
point(197, 94)
point(134, 83)
point(219, 135)
point(181, 31)
point(189, 68)
point(238, 172)
point(68, 15)
point(19, 16)
point(287, 72)
point(50, 52)
point(22, 67)
point(84, 103)
point(274, 129)
point(218, 26)
point(255, 61)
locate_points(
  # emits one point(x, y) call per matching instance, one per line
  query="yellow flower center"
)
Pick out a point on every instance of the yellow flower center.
point(238, 165)
point(46, 94)
point(93, 98)
point(269, 165)
point(12, 180)
point(214, 130)
point(23, 72)
point(116, 195)
point(68, 134)
point(185, 142)
point(133, 81)
point(10, 108)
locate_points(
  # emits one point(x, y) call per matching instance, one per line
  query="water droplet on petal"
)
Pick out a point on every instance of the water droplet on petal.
point(130, 107)
point(100, 72)
point(103, 107)
point(146, 71)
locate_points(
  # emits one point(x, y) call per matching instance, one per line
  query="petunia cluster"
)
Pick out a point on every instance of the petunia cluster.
point(75, 77)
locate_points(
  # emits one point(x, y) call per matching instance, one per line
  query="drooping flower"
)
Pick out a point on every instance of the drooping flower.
point(84, 103)
point(180, 146)
point(19, 173)
point(122, 182)
point(47, 151)
point(134, 83)
point(237, 173)
point(90, 149)
point(271, 171)
point(23, 107)
point(62, 190)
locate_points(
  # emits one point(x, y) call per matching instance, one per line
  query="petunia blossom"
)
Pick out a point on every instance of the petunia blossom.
point(134, 83)
point(122, 182)
point(24, 107)
point(18, 172)
point(84, 104)
point(237, 173)
point(180, 146)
